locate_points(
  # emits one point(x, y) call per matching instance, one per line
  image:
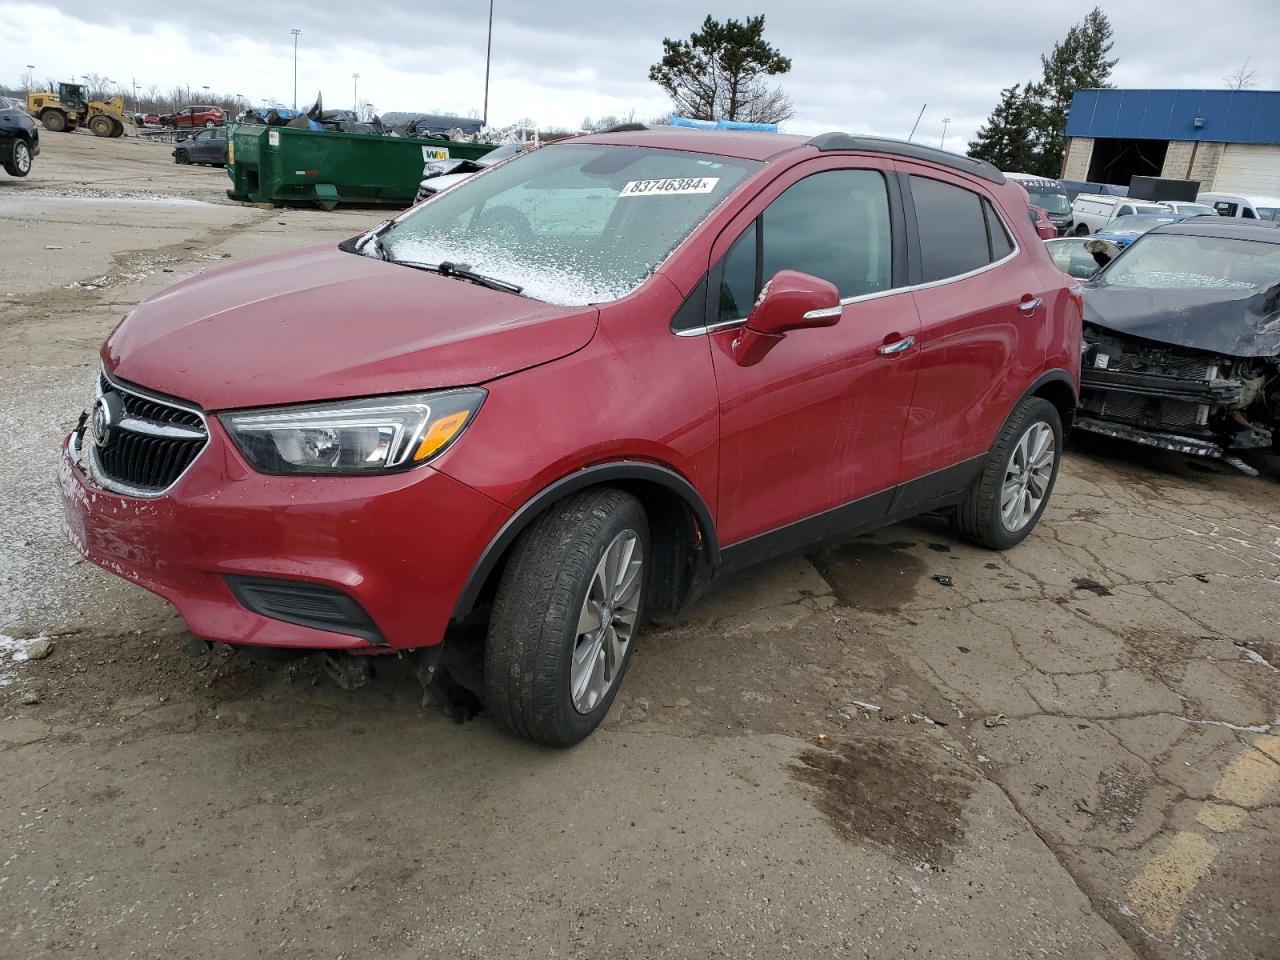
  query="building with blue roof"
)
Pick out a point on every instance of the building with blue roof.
point(1228, 140)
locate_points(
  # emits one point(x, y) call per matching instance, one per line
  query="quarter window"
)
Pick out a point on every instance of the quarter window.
point(953, 229)
point(997, 235)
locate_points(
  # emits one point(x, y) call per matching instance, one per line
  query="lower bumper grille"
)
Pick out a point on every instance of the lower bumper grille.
point(138, 443)
point(306, 604)
point(1165, 413)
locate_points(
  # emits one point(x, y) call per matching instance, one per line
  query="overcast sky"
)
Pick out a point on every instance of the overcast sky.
point(859, 67)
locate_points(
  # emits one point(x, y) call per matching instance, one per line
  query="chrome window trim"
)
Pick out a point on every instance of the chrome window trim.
point(94, 470)
point(891, 291)
point(862, 298)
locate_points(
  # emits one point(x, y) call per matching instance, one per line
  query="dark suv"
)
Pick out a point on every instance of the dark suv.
point(576, 388)
point(19, 138)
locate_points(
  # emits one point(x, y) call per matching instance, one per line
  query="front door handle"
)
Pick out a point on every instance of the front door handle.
point(1029, 307)
point(893, 349)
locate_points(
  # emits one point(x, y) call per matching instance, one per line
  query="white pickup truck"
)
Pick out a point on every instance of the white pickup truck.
point(1093, 211)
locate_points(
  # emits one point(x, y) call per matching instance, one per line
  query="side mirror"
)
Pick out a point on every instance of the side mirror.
point(791, 300)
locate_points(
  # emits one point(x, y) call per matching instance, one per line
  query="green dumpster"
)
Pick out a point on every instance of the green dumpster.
point(280, 165)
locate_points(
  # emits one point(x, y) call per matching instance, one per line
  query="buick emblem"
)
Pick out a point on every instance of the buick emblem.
point(106, 415)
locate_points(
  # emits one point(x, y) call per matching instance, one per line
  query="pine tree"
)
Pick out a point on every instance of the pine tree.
point(1078, 62)
point(1009, 138)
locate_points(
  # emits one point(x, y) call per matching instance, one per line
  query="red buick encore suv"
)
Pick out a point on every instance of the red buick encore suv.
point(574, 390)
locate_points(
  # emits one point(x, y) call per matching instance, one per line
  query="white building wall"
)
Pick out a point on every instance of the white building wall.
point(1249, 168)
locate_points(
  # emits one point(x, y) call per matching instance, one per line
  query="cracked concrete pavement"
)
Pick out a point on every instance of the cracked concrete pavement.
point(1072, 751)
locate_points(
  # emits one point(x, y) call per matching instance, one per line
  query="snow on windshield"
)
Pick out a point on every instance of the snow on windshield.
point(1187, 262)
point(572, 224)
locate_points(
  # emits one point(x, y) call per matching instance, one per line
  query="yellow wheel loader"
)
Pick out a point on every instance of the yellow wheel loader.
point(71, 107)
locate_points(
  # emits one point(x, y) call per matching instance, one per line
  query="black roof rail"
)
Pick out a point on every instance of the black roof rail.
point(904, 148)
point(625, 128)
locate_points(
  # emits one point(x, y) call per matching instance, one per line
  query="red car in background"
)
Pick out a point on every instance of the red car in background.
point(577, 388)
point(1045, 229)
point(194, 116)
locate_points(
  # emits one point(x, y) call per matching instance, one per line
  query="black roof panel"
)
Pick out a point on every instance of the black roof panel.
point(904, 148)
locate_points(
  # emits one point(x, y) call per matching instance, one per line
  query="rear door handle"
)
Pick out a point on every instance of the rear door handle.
point(1031, 306)
point(893, 349)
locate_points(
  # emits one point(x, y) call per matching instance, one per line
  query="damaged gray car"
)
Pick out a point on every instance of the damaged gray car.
point(1182, 340)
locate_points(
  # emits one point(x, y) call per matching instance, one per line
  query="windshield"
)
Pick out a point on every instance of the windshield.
point(570, 224)
point(1171, 261)
point(1194, 209)
point(1053, 202)
point(1135, 224)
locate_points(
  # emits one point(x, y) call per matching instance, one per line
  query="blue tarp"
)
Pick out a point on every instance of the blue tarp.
point(724, 125)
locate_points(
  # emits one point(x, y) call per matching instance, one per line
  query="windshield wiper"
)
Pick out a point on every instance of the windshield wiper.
point(460, 270)
point(374, 239)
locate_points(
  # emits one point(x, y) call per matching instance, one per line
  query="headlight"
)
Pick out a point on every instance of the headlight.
point(377, 435)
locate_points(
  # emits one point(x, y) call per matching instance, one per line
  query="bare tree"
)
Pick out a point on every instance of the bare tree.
point(763, 104)
point(1243, 79)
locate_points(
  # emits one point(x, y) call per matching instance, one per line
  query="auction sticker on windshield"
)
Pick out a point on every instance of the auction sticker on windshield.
point(675, 185)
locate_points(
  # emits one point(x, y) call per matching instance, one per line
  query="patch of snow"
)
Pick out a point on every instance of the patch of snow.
point(12, 650)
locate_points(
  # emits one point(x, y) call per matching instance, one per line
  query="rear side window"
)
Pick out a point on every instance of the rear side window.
point(953, 229)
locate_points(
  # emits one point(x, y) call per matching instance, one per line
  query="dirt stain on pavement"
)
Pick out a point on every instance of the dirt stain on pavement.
point(871, 574)
point(892, 792)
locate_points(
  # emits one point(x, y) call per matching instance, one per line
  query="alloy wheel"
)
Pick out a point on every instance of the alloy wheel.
point(22, 157)
point(607, 621)
point(1027, 477)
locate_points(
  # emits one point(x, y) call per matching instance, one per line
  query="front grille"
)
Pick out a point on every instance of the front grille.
point(1155, 411)
point(143, 443)
point(306, 604)
point(1169, 365)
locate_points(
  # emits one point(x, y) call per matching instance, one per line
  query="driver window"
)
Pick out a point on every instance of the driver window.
point(833, 225)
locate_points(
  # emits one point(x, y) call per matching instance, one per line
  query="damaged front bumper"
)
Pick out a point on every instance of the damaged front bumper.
point(1168, 398)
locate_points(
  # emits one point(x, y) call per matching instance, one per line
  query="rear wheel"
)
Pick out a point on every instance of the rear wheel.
point(1005, 502)
point(54, 121)
point(209, 124)
point(565, 617)
point(101, 126)
point(19, 165)
point(1082, 231)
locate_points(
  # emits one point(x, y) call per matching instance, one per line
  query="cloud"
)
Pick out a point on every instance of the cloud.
point(857, 67)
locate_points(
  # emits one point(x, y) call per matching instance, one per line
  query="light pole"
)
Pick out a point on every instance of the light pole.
point(296, 32)
point(488, 55)
point(30, 76)
point(945, 122)
point(355, 94)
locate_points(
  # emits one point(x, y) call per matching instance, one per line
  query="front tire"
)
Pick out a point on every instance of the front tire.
point(19, 165)
point(181, 156)
point(1005, 502)
point(565, 617)
point(101, 126)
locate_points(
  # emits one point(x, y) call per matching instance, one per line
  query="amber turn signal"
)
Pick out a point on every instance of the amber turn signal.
point(440, 433)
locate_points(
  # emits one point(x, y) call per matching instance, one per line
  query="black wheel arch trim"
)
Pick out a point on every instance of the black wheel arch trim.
point(595, 475)
point(1056, 375)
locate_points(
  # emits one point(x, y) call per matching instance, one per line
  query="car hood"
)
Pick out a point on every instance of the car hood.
point(322, 324)
point(1229, 322)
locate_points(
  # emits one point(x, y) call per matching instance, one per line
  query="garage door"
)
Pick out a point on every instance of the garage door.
point(1249, 168)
